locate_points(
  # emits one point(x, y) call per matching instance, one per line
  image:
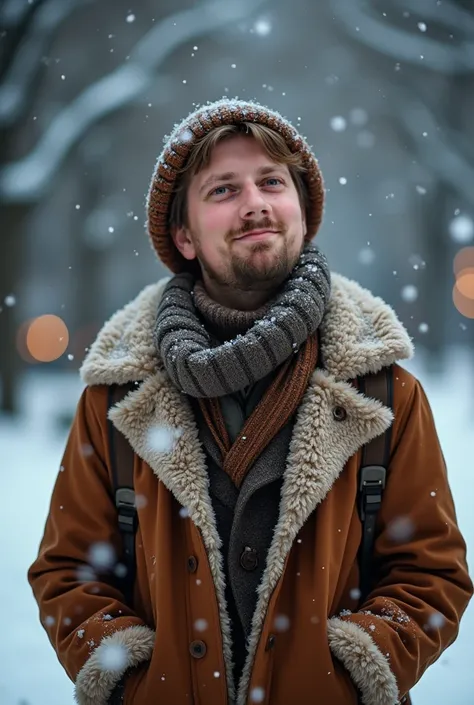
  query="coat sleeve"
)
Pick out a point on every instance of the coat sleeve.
point(96, 636)
point(422, 585)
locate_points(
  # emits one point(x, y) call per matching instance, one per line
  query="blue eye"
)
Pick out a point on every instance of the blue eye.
point(274, 178)
point(219, 188)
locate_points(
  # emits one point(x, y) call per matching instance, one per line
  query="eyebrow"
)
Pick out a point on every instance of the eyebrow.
point(229, 175)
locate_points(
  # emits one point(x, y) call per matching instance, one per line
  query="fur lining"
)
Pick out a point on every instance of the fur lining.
point(158, 404)
point(124, 350)
point(95, 683)
point(319, 450)
point(360, 333)
point(367, 666)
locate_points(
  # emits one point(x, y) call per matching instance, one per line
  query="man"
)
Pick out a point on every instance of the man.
point(247, 425)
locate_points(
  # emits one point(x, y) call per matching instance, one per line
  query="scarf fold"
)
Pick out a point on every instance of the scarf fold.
point(206, 371)
point(274, 410)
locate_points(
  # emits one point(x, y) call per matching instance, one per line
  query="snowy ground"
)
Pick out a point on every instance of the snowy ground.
point(30, 451)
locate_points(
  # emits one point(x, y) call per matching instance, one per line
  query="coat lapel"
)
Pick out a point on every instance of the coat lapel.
point(158, 422)
point(319, 450)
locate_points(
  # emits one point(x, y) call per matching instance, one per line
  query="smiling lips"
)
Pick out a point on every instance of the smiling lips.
point(257, 235)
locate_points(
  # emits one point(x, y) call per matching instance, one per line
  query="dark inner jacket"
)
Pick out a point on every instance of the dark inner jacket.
point(245, 516)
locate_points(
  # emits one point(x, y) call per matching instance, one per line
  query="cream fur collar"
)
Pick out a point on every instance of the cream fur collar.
point(360, 333)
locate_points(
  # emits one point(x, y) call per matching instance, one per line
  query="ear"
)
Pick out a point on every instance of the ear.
point(183, 241)
point(305, 227)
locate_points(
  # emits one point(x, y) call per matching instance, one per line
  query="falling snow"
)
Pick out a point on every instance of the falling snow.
point(281, 623)
point(366, 256)
point(262, 27)
point(436, 620)
point(112, 657)
point(461, 229)
point(338, 123)
point(401, 529)
point(409, 293)
point(358, 117)
point(162, 439)
point(257, 695)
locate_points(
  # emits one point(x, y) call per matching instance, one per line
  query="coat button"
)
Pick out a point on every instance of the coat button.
point(270, 642)
point(249, 558)
point(197, 649)
point(339, 413)
point(192, 564)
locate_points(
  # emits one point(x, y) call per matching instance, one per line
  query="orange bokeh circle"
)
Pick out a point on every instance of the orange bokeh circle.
point(465, 282)
point(463, 260)
point(464, 305)
point(47, 338)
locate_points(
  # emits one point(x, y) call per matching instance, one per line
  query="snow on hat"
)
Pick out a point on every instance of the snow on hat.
point(178, 146)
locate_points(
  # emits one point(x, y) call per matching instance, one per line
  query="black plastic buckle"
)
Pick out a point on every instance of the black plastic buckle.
point(372, 483)
point(127, 511)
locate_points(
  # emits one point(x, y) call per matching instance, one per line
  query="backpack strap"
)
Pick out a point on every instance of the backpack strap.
point(122, 460)
point(373, 473)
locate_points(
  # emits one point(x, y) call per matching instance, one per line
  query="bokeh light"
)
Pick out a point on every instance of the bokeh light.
point(463, 290)
point(463, 260)
point(21, 341)
point(465, 282)
point(464, 305)
point(47, 338)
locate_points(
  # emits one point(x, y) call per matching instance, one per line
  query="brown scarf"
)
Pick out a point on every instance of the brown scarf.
point(276, 407)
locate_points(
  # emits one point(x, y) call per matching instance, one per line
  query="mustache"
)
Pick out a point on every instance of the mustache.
point(249, 225)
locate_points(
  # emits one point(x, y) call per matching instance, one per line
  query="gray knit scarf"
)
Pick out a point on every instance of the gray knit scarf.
point(201, 368)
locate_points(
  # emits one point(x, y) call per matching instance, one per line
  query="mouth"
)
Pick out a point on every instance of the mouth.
point(257, 235)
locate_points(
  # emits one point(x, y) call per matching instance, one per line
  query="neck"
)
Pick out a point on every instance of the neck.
point(238, 299)
point(225, 322)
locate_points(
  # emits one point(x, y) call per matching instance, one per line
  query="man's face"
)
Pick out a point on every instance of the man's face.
point(245, 222)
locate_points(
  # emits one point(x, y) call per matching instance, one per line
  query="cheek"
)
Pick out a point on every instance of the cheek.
point(213, 219)
point(290, 210)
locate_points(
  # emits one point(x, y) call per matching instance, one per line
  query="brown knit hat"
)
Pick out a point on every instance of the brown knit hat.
point(179, 144)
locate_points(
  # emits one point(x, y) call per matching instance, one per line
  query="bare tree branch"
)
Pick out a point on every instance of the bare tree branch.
point(437, 150)
point(360, 21)
point(28, 178)
point(448, 13)
point(14, 12)
point(23, 70)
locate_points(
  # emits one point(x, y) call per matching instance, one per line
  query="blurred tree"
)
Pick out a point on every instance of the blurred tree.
point(27, 30)
point(432, 44)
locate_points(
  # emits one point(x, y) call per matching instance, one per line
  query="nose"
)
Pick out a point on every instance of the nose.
point(254, 205)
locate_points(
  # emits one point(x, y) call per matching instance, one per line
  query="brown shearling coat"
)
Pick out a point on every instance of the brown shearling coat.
point(311, 642)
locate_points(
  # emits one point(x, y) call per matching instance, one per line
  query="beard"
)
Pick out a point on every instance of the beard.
point(261, 266)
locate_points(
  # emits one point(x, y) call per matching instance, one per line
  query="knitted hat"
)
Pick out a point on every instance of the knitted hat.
point(177, 147)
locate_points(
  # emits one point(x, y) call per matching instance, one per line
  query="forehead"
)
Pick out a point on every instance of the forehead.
point(239, 148)
point(237, 154)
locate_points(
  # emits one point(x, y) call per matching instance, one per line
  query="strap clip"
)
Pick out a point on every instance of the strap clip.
point(372, 484)
point(127, 511)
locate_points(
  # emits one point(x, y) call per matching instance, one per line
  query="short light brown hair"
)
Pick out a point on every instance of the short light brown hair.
point(200, 156)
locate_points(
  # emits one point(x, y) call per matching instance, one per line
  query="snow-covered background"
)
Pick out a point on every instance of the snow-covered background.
point(31, 450)
point(383, 90)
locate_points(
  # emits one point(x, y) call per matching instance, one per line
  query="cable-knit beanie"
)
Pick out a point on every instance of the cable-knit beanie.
point(178, 146)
